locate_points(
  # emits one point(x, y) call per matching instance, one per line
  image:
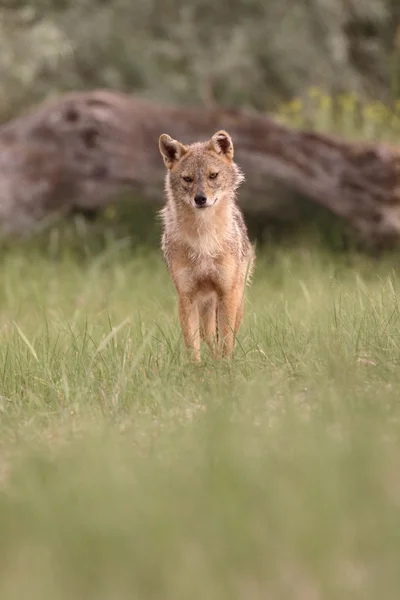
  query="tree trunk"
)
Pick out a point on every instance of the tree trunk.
point(80, 150)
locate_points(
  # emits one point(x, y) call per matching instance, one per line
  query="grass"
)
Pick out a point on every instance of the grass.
point(126, 472)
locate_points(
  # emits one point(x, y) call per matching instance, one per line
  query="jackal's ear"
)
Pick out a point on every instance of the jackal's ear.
point(171, 150)
point(221, 143)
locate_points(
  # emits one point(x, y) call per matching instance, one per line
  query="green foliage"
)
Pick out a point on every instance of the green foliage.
point(242, 52)
point(347, 115)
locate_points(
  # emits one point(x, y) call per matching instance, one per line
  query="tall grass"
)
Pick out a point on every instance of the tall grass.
point(128, 473)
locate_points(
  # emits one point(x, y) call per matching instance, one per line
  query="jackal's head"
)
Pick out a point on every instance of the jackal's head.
point(201, 174)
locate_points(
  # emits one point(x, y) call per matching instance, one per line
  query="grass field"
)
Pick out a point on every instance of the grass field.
point(127, 473)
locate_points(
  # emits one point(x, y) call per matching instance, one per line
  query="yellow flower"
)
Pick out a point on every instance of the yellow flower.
point(325, 101)
point(296, 105)
point(314, 92)
point(347, 102)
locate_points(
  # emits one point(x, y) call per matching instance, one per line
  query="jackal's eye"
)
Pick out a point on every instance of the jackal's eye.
point(213, 175)
point(187, 179)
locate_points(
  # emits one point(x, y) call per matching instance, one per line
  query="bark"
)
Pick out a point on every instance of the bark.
point(80, 150)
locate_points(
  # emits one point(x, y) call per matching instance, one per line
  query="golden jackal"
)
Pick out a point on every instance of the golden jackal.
point(205, 241)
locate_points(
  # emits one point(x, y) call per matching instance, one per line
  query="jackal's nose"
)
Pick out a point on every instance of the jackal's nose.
point(200, 199)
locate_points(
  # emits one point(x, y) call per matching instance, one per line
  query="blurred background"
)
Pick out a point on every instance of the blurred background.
point(269, 56)
point(245, 53)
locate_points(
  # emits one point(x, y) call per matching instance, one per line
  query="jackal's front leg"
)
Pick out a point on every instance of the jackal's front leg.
point(190, 324)
point(229, 318)
point(208, 323)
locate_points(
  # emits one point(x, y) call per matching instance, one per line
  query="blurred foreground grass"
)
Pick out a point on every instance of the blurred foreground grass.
point(127, 473)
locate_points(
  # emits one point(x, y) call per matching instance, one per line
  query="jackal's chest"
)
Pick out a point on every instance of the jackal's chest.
point(204, 274)
point(198, 270)
point(201, 266)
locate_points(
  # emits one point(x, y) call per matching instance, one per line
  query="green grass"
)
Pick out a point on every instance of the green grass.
point(126, 472)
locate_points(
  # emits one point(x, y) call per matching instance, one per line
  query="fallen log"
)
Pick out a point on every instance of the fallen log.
point(77, 152)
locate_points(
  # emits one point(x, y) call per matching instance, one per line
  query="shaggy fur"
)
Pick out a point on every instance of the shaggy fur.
point(205, 241)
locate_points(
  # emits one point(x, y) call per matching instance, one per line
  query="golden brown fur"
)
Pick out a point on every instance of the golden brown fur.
point(205, 241)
